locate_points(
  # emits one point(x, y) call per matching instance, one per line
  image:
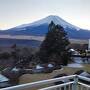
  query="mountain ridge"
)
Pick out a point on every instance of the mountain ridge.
point(47, 20)
point(40, 28)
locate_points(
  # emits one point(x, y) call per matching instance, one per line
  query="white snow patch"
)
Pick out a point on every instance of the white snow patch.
point(50, 65)
point(78, 60)
point(47, 20)
point(3, 78)
point(39, 67)
point(81, 60)
point(74, 65)
point(15, 69)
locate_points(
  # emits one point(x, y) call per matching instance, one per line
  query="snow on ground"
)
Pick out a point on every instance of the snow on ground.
point(74, 65)
point(81, 60)
point(78, 60)
point(3, 78)
point(15, 69)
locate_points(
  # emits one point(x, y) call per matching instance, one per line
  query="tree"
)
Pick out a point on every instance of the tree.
point(15, 54)
point(5, 55)
point(55, 46)
point(25, 58)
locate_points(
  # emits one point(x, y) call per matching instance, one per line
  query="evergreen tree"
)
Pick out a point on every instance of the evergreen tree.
point(55, 46)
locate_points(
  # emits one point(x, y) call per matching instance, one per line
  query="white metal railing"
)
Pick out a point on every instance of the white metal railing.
point(84, 85)
point(60, 86)
point(74, 84)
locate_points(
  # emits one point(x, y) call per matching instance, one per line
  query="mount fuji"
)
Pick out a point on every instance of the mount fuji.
point(40, 28)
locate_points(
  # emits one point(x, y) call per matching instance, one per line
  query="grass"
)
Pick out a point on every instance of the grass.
point(28, 78)
point(69, 70)
point(86, 67)
point(36, 77)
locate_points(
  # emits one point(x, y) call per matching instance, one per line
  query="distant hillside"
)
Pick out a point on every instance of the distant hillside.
point(19, 42)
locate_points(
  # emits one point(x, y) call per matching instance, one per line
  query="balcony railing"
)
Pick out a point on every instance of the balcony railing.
point(74, 83)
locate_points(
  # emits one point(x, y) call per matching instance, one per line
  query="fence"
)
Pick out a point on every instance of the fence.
point(73, 83)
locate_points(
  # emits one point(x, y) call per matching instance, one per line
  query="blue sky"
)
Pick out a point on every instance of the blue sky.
point(17, 12)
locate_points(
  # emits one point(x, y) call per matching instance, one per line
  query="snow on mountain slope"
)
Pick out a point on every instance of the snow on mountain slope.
point(47, 20)
point(40, 28)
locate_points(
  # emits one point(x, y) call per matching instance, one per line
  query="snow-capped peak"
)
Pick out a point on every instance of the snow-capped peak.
point(47, 20)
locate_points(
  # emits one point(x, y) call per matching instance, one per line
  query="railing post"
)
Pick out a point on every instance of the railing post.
point(75, 84)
